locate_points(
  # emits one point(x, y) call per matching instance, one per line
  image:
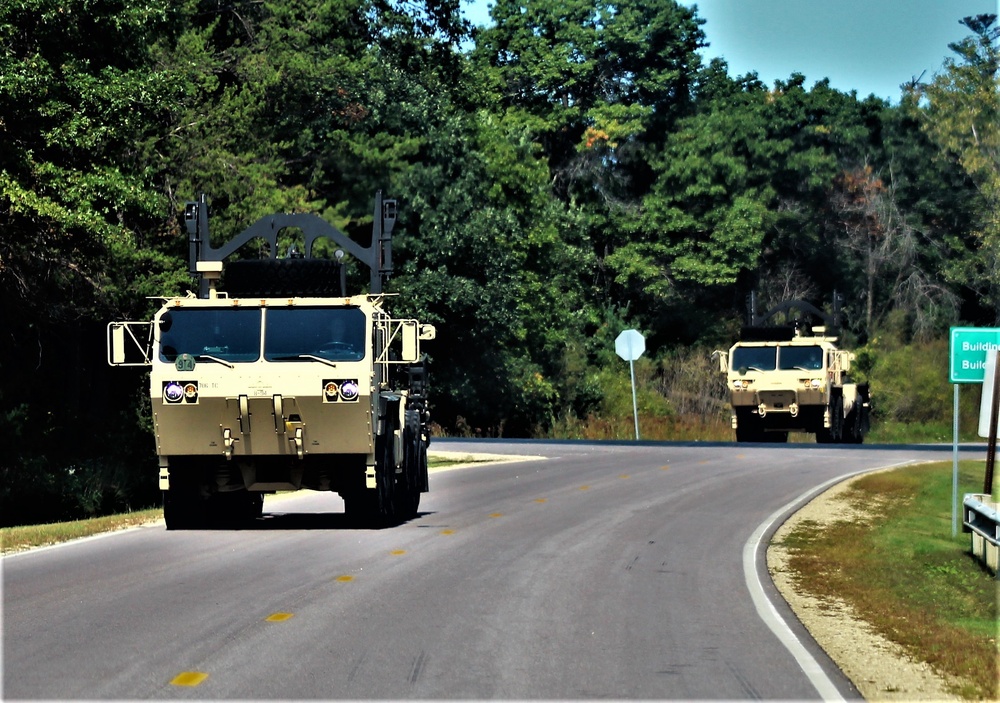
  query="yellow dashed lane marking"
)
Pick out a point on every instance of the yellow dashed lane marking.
point(496, 514)
point(189, 678)
point(278, 617)
point(584, 488)
point(665, 467)
point(345, 578)
point(447, 532)
point(398, 552)
point(540, 500)
point(624, 476)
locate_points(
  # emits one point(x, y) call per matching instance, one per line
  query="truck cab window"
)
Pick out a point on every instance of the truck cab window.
point(228, 334)
point(334, 334)
point(802, 358)
point(753, 359)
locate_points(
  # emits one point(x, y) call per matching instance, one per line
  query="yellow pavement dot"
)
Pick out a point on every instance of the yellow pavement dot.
point(665, 467)
point(189, 678)
point(624, 476)
point(540, 500)
point(447, 532)
point(496, 514)
point(703, 461)
point(278, 617)
point(397, 552)
point(741, 456)
point(584, 488)
point(345, 578)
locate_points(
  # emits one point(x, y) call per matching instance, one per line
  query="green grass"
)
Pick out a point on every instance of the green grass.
point(904, 573)
point(16, 539)
point(892, 432)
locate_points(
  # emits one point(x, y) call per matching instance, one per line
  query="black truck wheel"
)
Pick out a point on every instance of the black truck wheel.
point(748, 426)
point(835, 433)
point(409, 481)
point(376, 507)
point(183, 509)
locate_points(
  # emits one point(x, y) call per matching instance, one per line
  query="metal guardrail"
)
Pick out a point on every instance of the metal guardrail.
point(982, 518)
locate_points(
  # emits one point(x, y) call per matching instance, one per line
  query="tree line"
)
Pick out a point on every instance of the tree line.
point(572, 170)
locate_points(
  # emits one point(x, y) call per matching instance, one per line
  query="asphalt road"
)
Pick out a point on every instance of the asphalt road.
point(602, 571)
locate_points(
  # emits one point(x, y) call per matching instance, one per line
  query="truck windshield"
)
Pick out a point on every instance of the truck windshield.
point(753, 359)
point(333, 334)
point(228, 334)
point(803, 358)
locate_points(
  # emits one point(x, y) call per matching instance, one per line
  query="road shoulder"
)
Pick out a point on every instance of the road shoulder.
point(878, 667)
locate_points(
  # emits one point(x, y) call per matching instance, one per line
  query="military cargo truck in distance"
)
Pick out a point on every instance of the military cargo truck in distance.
point(794, 378)
point(282, 381)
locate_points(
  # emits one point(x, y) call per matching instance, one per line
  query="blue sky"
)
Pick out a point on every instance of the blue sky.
point(871, 46)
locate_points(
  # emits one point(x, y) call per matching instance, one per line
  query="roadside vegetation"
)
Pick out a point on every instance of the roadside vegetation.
point(901, 571)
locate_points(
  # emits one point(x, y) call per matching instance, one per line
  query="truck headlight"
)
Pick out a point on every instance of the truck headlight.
point(349, 390)
point(173, 392)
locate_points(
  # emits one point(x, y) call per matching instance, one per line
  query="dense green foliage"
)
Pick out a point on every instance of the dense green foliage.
point(568, 172)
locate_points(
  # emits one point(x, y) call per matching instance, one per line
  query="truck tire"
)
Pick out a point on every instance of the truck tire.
point(376, 507)
point(408, 483)
point(748, 427)
point(183, 510)
point(835, 433)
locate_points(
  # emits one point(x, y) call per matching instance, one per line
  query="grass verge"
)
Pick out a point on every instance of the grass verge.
point(17, 539)
point(902, 571)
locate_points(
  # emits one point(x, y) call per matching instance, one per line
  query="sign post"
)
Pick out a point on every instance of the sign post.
point(630, 345)
point(967, 364)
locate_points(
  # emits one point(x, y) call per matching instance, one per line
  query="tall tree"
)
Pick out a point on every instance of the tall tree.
point(83, 219)
point(960, 109)
point(591, 78)
point(739, 194)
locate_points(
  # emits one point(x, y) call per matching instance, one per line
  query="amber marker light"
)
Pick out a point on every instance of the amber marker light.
point(331, 390)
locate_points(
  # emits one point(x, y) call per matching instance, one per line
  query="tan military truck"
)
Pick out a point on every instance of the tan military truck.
point(273, 379)
point(793, 378)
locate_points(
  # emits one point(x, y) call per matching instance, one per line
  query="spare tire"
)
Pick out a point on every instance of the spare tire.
point(282, 278)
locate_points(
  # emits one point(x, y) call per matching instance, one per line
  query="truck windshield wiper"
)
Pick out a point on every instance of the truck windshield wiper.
point(216, 359)
point(311, 357)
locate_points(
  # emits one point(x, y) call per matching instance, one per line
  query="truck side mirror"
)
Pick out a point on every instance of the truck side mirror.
point(117, 344)
point(130, 343)
point(723, 359)
point(411, 346)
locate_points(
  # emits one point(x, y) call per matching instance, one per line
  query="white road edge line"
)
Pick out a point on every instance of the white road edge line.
point(766, 609)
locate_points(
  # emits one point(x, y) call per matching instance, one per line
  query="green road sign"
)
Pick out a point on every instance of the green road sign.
point(968, 352)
